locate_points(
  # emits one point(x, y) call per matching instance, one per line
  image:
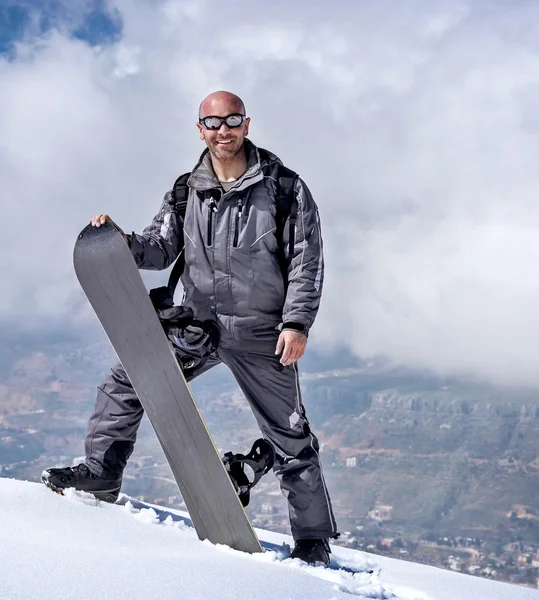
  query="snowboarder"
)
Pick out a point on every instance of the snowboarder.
point(233, 276)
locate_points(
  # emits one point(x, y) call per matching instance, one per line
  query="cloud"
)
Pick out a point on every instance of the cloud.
point(416, 130)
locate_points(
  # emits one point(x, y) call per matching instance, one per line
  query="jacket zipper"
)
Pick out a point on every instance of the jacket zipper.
point(237, 223)
point(212, 210)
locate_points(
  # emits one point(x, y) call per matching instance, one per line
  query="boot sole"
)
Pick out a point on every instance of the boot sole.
point(109, 497)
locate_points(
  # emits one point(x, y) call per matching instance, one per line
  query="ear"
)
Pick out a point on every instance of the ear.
point(201, 130)
point(246, 126)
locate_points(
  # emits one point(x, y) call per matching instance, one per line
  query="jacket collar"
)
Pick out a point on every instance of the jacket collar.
point(203, 176)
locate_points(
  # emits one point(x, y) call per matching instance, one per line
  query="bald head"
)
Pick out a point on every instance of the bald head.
point(225, 143)
point(221, 104)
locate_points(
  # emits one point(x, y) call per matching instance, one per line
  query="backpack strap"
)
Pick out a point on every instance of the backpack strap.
point(287, 208)
point(180, 195)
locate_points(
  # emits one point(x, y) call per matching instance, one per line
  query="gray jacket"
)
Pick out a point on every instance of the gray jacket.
point(232, 273)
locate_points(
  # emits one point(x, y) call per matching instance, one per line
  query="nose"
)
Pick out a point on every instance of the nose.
point(223, 124)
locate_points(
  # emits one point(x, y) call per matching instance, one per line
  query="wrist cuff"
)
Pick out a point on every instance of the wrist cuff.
point(294, 326)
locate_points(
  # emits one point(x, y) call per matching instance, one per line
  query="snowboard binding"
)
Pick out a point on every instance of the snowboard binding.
point(260, 460)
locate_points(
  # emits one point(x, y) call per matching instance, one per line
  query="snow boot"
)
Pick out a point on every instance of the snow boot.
point(81, 478)
point(313, 552)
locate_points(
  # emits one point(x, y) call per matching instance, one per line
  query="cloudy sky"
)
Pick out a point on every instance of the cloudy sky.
point(414, 123)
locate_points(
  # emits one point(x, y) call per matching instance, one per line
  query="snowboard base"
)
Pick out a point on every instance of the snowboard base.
point(111, 281)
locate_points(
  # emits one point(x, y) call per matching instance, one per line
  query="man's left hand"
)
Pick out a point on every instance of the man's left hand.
point(292, 345)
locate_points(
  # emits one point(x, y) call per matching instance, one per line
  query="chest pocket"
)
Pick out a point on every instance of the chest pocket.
point(254, 221)
point(259, 245)
point(195, 221)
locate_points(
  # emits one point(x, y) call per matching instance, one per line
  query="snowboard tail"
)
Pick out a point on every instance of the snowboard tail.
point(110, 279)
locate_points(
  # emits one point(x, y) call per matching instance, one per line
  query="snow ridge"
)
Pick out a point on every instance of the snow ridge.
point(79, 548)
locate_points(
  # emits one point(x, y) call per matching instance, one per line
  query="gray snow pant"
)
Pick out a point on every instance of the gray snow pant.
point(274, 395)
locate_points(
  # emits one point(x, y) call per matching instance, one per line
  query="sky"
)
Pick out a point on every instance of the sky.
point(414, 124)
point(79, 548)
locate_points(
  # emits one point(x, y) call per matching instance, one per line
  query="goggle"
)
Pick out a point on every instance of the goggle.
point(233, 120)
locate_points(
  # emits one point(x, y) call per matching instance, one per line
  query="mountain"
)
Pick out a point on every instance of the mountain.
point(393, 439)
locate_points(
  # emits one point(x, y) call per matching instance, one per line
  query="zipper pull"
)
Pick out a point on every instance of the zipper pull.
point(213, 209)
point(237, 224)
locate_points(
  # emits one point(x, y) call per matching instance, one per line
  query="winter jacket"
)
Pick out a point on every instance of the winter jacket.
point(232, 273)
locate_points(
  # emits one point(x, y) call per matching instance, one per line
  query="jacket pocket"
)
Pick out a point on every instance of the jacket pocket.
point(212, 210)
point(268, 285)
point(237, 222)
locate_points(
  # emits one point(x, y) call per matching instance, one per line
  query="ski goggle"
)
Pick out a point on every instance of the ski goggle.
point(214, 123)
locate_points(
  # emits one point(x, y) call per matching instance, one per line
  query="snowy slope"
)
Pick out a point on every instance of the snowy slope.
point(76, 548)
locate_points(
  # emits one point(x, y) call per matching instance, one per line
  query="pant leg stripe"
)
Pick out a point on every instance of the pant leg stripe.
point(328, 502)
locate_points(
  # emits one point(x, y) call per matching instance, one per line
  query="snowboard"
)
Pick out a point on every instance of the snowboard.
point(111, 281)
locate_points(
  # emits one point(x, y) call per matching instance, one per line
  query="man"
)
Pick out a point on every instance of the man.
point(233, 276)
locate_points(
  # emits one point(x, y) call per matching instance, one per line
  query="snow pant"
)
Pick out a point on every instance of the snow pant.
point(273, 393)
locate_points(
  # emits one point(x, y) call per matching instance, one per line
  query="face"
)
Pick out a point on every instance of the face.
point(226, 142)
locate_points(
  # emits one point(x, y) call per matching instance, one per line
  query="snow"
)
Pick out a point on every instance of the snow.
point(74, 547)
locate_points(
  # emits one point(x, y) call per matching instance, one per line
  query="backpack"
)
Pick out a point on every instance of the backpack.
point(286, 207)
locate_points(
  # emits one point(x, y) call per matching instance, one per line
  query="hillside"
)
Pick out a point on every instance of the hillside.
point(77, 548)
point(393, 440)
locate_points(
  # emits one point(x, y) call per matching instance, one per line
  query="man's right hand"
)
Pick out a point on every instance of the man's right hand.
point(99, 220)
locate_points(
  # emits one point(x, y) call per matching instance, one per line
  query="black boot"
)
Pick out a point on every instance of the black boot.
point(312, 551)
point(81, 478)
